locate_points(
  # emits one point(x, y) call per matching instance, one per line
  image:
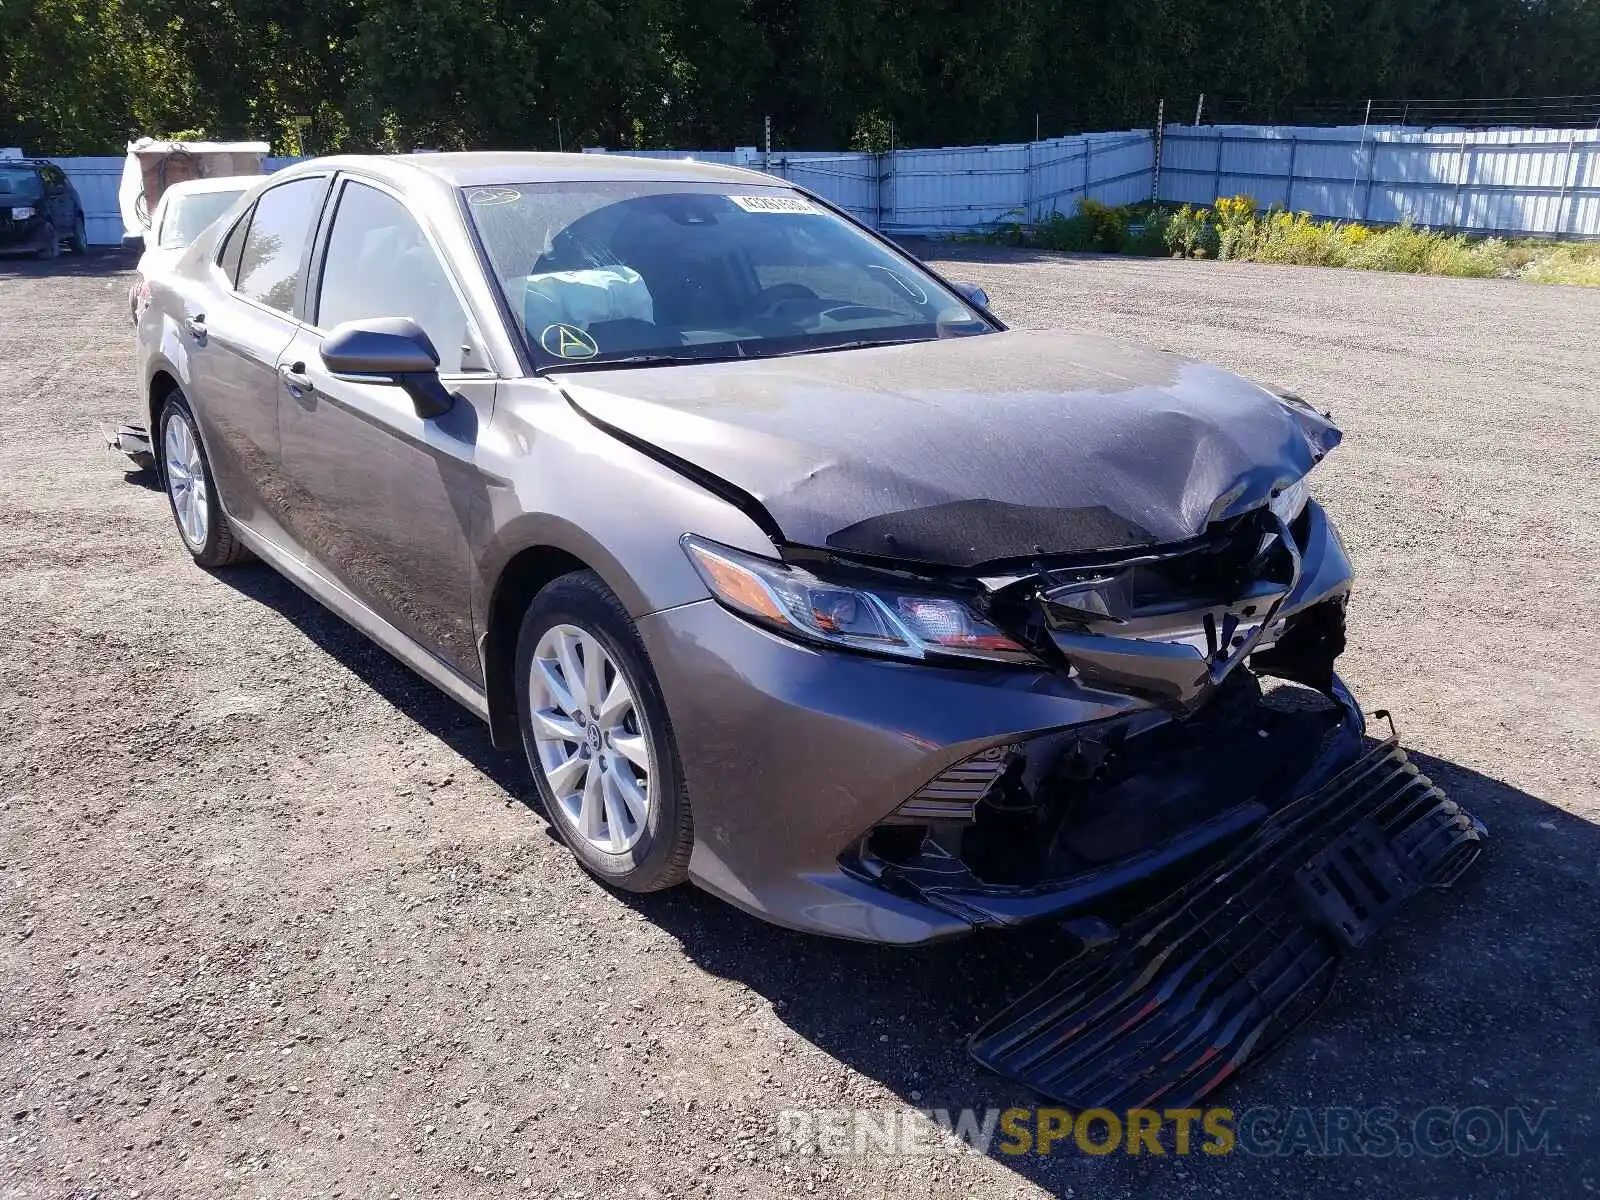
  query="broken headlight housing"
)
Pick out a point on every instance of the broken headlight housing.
point(1289, 502)
point(879, 620)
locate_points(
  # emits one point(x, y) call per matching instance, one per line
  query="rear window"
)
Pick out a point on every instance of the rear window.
point(19, 184)
point(188, 216)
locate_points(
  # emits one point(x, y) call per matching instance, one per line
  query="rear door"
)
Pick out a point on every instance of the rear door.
point(235, 331)
point(385, 499)
point(58, 200)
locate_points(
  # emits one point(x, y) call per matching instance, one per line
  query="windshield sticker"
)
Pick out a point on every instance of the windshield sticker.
point(493, 195)
point(568, 341)
point(775, 204)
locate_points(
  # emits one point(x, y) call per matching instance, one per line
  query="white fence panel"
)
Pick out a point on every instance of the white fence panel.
point(96, 181)
point(847, 180)
point(1506, 181)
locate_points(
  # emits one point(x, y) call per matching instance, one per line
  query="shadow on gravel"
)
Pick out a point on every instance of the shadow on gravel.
point(396, 683)
point(101, 260)
point(1487, 995)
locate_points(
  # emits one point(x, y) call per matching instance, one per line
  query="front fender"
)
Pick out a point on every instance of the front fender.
point(555, 480)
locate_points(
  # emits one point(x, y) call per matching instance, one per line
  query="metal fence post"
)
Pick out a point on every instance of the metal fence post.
point(880, 167)
point(1463, 172)
point(1161, 133)
point(1372, 162)
point(1088, 160)
point(1029, 187)
point(1288, 188)
point(1216, 180)
point(1562, 218)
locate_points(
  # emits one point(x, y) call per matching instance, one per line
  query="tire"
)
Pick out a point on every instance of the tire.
point(79, 242)
point(574, 607)
point(50, 245)
point(214, 543)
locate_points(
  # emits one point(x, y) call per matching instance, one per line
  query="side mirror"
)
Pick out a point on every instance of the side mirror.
point(133, 242)
point(972, 294)
point(389, 350)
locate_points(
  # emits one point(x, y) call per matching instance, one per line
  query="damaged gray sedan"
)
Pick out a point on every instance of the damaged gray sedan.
point(799, 576)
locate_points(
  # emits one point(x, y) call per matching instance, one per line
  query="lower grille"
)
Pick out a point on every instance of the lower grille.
point(1231, 963)
point(953, 794)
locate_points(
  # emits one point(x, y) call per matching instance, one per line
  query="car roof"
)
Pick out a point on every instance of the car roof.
point(217, 183)
point(478, 168)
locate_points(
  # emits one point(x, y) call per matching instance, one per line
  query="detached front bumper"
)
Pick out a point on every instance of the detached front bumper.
point(1229, 964)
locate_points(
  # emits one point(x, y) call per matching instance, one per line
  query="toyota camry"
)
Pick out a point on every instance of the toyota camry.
point(798, 575)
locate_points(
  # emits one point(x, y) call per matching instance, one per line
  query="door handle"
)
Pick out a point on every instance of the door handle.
point(295, 378)
point(196, 325)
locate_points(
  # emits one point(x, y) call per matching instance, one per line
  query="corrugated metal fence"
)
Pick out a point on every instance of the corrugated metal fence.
point(962, 187)
point(1504, 181)
point(1514, 181)
point(96, 180)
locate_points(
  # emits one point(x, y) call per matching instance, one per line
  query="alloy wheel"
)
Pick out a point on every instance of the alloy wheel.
point(591, 743)
point(186, 483)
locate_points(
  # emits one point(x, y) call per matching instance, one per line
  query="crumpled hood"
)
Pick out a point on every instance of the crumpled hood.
point(972, 449)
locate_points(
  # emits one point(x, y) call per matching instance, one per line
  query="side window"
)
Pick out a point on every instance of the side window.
point(269, 264)
point(233, 248)
point(379, 264)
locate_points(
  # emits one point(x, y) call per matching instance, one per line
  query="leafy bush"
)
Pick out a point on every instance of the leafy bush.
point(1061, 232)
point(1578, 264)
point(1146, 234)
point(1108, 224)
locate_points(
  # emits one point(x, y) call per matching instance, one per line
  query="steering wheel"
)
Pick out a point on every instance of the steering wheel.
point(786, 303)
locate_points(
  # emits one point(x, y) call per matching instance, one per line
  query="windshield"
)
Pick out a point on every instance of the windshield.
point(598, 273)
point(188, 216)
point(19, 185)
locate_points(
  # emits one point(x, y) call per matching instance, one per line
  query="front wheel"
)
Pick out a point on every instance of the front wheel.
point(598, 737)
point(191, 491)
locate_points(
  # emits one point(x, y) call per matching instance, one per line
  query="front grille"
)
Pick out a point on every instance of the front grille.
point(953, 794)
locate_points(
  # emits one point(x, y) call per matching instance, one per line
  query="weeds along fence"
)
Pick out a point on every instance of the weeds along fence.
point(1506, 181)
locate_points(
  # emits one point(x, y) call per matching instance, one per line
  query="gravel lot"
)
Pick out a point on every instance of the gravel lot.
point(275, 920)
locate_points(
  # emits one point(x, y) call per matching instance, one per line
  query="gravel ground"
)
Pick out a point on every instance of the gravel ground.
point(275, 920)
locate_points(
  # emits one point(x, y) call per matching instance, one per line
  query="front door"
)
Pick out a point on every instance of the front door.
point(385, 499)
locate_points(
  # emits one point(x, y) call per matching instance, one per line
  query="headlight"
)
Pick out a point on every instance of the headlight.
point(1290, 502)
point(880, 620)
point(21, 214)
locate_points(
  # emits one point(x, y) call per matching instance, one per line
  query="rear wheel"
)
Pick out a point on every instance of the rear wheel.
point(598, 737)
point(202, 525)
point(50, 242)
point(80, 236)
